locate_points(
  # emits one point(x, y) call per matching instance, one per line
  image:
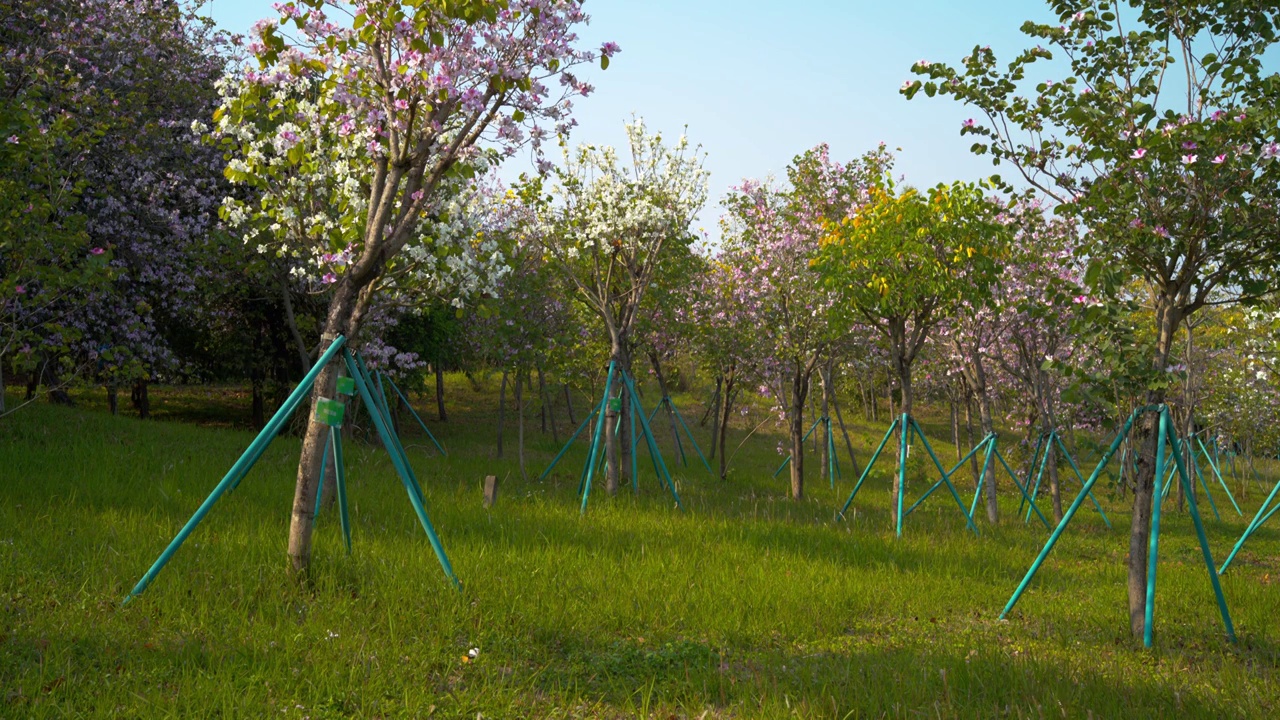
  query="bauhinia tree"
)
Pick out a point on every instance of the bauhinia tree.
point(1161, 138)
point(773, 231)
point(909, 259)
point(354, 135)
point(611, 229)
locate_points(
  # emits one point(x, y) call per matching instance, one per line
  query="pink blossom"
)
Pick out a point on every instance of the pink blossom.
point(1189, 145)
point(968, 123)
point(20, 289)
point(13, 139)
point(96, 251)
point(1188, 159)
point(1139, 153)
point(1219, 159)
point(329, 278)
point(1270, 151)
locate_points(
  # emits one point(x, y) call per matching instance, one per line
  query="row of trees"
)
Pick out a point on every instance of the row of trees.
point(178, 204)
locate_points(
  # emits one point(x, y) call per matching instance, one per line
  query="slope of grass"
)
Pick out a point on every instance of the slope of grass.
point(745, 605)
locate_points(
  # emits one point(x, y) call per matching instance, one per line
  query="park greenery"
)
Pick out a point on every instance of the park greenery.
point(204, 220)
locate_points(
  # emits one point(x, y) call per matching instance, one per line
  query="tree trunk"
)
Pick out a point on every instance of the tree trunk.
point(903, 371)
point(258, 409)
point(722, 420)
point(988, 426)
point(346, 310)
point(304, 355)
point(548, 407)
point(440, 413)
point(714, 413)
point(520, 425)
point(612, 475)
point(502, 407)
point(1168, 316)
point(853, 459)
point(666, 402)
point(828, 440)
point(141, 402)
point(113, 398)
point(799, 389)
point(568, 405)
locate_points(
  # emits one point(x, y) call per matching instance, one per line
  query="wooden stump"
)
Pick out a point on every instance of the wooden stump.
point(490, 490)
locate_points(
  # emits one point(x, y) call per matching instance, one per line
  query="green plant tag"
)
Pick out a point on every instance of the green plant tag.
point(615, 404)
point(346, 385)
point(330, 412)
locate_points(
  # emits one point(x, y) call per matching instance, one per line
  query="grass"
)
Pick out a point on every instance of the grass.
point(746, 605)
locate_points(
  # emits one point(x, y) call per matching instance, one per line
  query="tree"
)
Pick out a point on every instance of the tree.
point(773, 232)
point(906, 261)
point(1161, 139)
point(611, 230)
point(356, 137)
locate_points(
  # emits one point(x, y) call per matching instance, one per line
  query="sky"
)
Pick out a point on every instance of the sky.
point(758, 82)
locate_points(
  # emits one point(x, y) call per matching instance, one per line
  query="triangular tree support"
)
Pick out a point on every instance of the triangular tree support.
point(833, 462)
point(596, 454)
point(675, 412)
point(364, 384)
point(1166, 436)
point(1263, 515)
point(907, 427)
point(1046, 442)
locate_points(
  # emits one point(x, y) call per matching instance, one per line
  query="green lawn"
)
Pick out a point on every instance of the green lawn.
point(745, 605)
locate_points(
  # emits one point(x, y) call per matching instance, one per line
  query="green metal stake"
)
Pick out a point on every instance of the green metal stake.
point(1035, 493)
point(946, 477)
point(1254, 524)
point(315, 513)
point(1014, 477)
point(401, 463)
point(692, 441)
point(1066, 518)
point(1034, 457)
point(866, 470)
point(1221, 482)
point(569, 444)
point(982, 478)
point(635, 483)
point(831, 454)
point(241, 466)
point(340, 482)
point(1204, 541)
point(939, 483)
point(417, 417)
point(653, 444)
point(1212, 505)
point(1080, 477)
point(595, 441)
point(679, 445)
point(902, 468)
point(1153, 548)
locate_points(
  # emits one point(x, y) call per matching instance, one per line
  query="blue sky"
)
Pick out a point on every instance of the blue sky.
point(758, 82)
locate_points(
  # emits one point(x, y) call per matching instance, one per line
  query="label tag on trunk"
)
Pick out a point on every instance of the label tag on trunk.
point(346, 385)
point(330, 412)
point(615, 404)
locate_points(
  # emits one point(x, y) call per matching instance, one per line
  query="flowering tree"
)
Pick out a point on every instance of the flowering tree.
point(719, 316)
point(108, 91)
point(1162, 142)
point(907, 260)
point(1013, 337)
point(612, 230)
point(356, 137)
point(773, 232)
